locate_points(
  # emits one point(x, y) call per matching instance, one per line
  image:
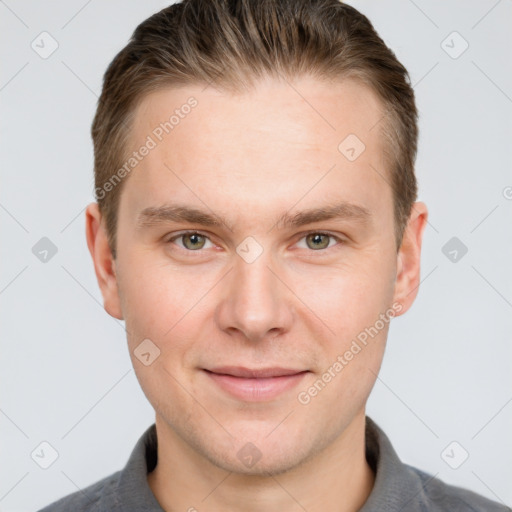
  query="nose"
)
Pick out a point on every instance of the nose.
point(255, 303)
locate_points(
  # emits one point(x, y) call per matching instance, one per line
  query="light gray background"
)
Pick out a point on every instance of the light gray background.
point(66, 374)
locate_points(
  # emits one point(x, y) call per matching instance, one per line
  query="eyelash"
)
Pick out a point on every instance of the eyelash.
point(303, 236)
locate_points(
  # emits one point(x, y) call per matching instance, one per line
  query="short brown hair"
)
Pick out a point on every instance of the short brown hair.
point(233, 43)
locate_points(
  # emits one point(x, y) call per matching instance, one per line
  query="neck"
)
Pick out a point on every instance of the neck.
point(336, 479)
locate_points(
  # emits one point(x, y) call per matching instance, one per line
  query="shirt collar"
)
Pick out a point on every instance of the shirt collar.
point(132, 492)
point(396, 485)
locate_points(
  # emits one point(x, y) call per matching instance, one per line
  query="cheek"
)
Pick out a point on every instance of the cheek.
point(156, 298)
point(349, 296)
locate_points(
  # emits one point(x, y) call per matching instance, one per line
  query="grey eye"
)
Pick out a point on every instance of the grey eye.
point(193, 241)
point(317, 241)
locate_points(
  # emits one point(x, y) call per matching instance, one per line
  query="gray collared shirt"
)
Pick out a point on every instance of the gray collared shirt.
point(398, 487)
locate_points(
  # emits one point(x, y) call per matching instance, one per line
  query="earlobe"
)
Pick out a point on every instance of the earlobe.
point(409, 258)
point(104, 263)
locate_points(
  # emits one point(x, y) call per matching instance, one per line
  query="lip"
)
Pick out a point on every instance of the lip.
point(255, 385)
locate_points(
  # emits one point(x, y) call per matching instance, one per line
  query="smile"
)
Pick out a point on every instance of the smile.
point(255, 385)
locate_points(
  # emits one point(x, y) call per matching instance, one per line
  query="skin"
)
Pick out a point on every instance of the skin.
point(252, 157)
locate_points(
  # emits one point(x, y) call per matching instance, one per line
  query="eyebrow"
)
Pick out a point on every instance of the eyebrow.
point(167, 213)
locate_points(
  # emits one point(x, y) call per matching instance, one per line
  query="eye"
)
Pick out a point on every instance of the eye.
point(192, 240)
point(318, 241)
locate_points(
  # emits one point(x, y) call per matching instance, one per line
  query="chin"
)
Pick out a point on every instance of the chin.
point(264, 456)
point(265, 467)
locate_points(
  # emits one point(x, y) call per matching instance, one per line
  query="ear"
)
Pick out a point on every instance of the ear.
point(104, 263)
point(409, 257)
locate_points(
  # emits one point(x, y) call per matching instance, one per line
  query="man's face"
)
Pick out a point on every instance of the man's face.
point(254, 293)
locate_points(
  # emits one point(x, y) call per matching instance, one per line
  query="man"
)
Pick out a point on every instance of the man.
point(257, 230)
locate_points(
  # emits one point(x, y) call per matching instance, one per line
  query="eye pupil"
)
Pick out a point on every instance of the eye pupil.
point(320, 241)
point(195, 239)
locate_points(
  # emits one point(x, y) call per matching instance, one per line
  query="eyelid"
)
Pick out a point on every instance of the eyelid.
point(320, 232)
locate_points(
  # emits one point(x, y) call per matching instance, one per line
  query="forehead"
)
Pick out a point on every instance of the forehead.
point(276, 142)
point(307, 109)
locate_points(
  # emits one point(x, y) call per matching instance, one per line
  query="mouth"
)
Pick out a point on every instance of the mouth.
point(255, 385)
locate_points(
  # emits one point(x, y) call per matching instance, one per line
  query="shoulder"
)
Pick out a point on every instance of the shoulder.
point(121, 491)
point(401, 487)
point(442, 497)
point(89, 499)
